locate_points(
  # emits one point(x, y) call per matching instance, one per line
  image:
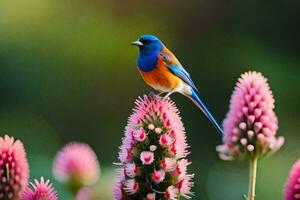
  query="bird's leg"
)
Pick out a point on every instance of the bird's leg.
point(160, 93)
point(169, 93)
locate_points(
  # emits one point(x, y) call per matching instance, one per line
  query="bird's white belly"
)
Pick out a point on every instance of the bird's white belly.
point(182, 88)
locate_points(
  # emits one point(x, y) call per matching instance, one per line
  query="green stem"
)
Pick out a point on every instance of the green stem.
point(252, 178)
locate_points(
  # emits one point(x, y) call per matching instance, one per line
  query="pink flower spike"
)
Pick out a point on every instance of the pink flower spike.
point(147, 157)
point(153, 152)
point(76, 165)
point(251, 124)
point(292, 186)
point(14, 169)
point(42, 190)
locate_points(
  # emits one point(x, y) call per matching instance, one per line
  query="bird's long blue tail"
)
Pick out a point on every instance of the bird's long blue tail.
point(195, 98)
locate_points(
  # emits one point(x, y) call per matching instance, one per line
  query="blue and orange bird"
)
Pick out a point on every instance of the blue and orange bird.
point(162, 71)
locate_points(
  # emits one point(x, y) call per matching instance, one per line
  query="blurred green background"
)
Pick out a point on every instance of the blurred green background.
point(67, 72)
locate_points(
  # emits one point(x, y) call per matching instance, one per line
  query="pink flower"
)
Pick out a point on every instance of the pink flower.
point(292, 186)
point(151, 196)
point(154, 144)
point(131, 170)
point(147, 157)
point(139, 135)
point(251, 124)
point(14, 169)
point(185, 186)
point(181, 168)
point(158, 176)
point(166, 140)
point(42, 190)
point(131, 186)
point(169, 164)
point(76, 165)
point(171, 193)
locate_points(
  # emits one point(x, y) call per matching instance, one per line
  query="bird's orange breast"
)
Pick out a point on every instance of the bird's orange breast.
point(160, 78)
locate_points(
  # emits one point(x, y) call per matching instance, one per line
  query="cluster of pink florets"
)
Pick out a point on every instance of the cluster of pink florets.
point(76, 165)
point(41, 190)
point(251, 123)
point(153, 153)
point(292, 187)
point(14, 169)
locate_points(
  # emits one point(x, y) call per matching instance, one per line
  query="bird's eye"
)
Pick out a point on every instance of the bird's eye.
point(145, 41)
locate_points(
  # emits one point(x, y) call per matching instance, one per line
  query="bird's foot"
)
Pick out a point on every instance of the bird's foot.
point(167, 96)
point(159, 94)
point(154, 95)
point(151, 94)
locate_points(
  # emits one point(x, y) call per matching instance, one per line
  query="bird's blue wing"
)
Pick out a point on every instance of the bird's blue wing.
point(180, 72)
point(175, 67)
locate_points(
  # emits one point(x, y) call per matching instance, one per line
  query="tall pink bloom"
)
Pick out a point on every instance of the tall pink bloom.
point(14, 169)
point(292, 187)
point(41, 190)
point(76, 165)
point(153, 152)
point(251, 124)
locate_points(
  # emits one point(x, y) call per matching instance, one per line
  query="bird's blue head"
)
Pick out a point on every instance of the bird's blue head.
point(148, 44)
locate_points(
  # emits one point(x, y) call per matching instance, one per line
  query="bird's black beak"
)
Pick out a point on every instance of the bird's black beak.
point(137, 43)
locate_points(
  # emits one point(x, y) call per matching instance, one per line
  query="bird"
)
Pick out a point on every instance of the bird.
point(161, 70)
